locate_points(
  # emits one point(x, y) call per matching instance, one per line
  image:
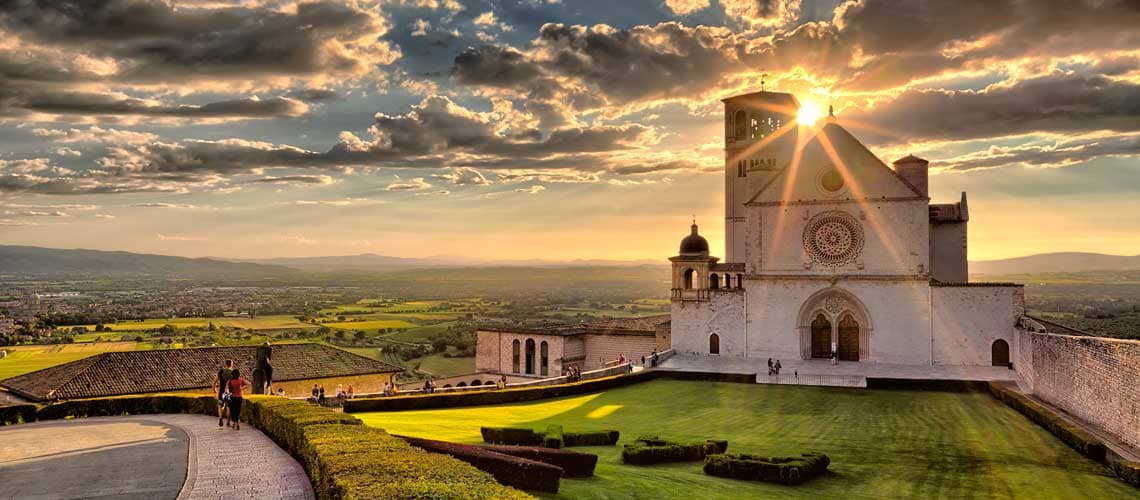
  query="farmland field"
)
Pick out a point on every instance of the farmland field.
point(29, 358)
point(897, 444)
point(370, 325)
point(256, 323)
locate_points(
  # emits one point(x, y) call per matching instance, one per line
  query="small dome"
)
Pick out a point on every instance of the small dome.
point(694, 244)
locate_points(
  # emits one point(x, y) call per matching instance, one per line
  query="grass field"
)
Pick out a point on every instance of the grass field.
point(440, 366)
point(370, 325)
point(26, 359)
point(258, 323)
point(897, 444)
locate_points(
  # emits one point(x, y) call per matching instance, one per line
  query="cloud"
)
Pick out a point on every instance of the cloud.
point(464, 176)
point(1048, 153)
point(95, 134)
point(294, 179)
point(420, 27)
point(89, 103)
point(162, 205)
point(153, 41)
point(1059, 102)
point(314, 94)
point(535, 189)
point(175, 237)
point(412, 185)
point(684, 7)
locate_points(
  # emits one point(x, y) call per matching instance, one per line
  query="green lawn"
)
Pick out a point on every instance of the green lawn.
point(370, 325)
point(440, 366)
point(895, 444)
point(29, 358)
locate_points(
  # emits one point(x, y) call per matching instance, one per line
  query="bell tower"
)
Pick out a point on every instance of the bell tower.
point(760, 134)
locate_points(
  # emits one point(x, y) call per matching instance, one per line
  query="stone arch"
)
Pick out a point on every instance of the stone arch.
point(461, 384)
point(714, 281)
point(690, 278)
point(530, 356)
point(834, 304)
point(544, 355)
point(999, 353)
point(739, 280)
point(714, 344)
point(516, 348)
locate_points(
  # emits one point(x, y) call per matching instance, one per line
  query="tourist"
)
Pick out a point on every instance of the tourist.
point(321, 395)
point(387, 389)
point(224, 374)
point(339, 391)
point(502, 384)
point(280, 392)
point(351, 392)
point(778, 366)
point(316, 393)
point(428, 386)
point(834, 358)
point(653, 358)
point(621, 359)
point(234, 387)
point(769, 366)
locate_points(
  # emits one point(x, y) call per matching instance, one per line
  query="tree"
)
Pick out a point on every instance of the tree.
point(212, 327)
point(360, 335)
point(339, 334)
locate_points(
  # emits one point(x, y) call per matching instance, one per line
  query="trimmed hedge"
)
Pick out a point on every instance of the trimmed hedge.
point(573, 463)
point(1076, 437)
point(344, 459)
point(650, 450)
point(942, 385)
point(508, 469)
point(16, 414)
point(596, 438)
point(1127, 471)
point(782, 470)
point(521, 436)
point(553, 437)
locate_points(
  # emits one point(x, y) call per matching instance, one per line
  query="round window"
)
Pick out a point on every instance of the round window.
point(833, 238)
point(831, 181)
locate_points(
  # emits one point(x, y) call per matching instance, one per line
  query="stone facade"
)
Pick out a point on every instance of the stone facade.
point(1095, 379)
point(830, 250)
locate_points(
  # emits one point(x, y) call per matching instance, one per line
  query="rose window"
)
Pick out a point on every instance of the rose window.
point(833, 238)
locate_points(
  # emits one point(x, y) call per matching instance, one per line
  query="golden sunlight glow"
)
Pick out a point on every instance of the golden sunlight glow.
point(808, 113)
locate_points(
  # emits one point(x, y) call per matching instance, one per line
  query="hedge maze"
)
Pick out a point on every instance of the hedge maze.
point(783, 470)
point(650, 450)
point(553, 437)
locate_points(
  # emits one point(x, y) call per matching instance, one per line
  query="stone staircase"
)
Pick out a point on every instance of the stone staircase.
point(816, 380)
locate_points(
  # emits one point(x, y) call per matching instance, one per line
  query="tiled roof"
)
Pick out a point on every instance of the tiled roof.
point(140, 372)
point(620, 325)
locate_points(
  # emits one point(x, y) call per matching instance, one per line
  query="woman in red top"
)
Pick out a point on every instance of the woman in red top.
point(234, 387)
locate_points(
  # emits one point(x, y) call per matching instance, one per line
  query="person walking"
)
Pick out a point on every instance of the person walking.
point(224, 374)
point(778, 366)
point(234, 387)
point(769, 366)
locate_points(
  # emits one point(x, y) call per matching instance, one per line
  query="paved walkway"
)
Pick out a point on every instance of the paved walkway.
point(147, 456)
point(809, 368)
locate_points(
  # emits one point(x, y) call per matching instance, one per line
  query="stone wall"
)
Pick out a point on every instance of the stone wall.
point(603, 348)
point(1093, 378)
point(967, 320)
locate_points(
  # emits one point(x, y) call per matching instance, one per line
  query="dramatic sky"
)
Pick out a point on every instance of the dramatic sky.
point(553, 129)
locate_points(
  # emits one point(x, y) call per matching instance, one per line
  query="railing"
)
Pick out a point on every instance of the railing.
point(592, 374)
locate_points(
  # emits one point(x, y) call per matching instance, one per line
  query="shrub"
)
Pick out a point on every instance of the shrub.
point(649, 450)
point(511, 435)
point(128, 405)
point(16, 414)
point(573, 463)
point(1127, 471)
point(597, 438)
point(942, 385)
point(508, 469)
point(783, 470)
point(553, 437)
point(361, 462)
point(1072, 435)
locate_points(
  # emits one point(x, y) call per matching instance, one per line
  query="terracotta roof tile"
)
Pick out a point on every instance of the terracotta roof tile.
point(140, 372)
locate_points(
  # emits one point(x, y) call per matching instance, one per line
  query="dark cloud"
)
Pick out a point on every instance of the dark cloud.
point(314, 95)
point(293, 179)
point(1048, 154)
point(67, 185)
point(22, 99)
point(1054, 103)
point(155, 41)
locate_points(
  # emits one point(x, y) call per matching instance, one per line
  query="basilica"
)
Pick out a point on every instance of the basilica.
point(830, 252)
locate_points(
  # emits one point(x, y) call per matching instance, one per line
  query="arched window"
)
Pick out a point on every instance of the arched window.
point(515, 356)
point(461, 384)
point(739, 281)
point(741, 123)
point(544, 365)
point(447, 386)
point(530, 356)
point(714, 344)
point(714, 281)
point(999, 352)
point(689, 279)
point(727, 280)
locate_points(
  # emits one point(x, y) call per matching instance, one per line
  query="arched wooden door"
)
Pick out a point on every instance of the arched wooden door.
point(820, 337)
point(714, 344)
point(848, 339)
point(999, 351)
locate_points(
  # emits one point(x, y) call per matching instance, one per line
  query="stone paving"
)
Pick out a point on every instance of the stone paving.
point(147, 456)
point(811, 370)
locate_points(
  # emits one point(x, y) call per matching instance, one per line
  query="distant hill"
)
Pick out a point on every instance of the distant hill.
point(65, 263)
point(1061, 262)
point(374, 262)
